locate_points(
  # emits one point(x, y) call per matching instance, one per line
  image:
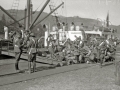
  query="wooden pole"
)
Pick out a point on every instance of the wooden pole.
point(31, 16)
point(28, 14)
point(39, 13)
point(49, 14)
point(9, 15)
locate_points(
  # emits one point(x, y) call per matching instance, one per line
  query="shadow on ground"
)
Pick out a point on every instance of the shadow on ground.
point(41, 68)
point(5, 57)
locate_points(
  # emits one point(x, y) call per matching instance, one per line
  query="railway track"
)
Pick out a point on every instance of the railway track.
point(26, 77)
point(39, 74)
point(51, 70)
point(13, 62)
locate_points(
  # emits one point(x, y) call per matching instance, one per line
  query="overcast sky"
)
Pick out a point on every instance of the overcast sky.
point(83, 8)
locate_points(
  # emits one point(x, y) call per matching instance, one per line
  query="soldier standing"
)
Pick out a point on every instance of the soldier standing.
point(49, 38)
point(6, 32)
point(26, 37)
point(84, 51)
point(32, 51)
point(17, 49)
point(103, 48)
point(51, 48)
point(72, 27)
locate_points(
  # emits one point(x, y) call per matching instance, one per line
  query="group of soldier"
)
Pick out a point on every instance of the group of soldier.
point(97, 50)
point(24, 42)
point(78, 51)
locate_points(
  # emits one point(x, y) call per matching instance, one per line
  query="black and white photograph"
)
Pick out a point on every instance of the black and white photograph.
point(59, 44)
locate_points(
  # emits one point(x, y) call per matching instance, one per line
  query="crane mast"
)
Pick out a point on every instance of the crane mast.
point(52, 7)
point(14, 9)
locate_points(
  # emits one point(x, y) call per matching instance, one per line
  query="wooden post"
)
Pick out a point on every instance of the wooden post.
point(31, 9)
point(117, 73)
point(39, 13)
point(48, 14)
point(28, 14)
point(49, 30)
point(9, 15)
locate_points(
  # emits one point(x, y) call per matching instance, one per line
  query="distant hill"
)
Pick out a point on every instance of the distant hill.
point(77, 20)
point(51, 20)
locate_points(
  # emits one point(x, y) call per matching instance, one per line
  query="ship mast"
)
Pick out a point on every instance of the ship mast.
point(28, 14)
point(33, 24)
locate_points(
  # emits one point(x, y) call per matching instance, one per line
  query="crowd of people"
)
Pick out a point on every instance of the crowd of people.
point(97, 50)
point(85, 50)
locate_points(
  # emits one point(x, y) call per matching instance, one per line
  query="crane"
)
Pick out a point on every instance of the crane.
point(14, 9)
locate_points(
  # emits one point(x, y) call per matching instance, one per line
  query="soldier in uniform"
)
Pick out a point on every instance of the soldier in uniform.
point(51, 48)
point(76, 49)
point(49, 39)
point(103, 48)
point(72, 27)
point(17, 49)
point(26, 36)
point(84, 51)
point(111, 52)
point(32, 51)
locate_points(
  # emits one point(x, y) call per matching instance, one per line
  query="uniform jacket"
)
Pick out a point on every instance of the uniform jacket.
point(32, 46)
point(18, 45)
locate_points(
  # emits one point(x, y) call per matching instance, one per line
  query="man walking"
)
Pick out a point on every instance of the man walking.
point(32, 51)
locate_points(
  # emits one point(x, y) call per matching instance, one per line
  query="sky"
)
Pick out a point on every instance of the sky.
point(95, 9)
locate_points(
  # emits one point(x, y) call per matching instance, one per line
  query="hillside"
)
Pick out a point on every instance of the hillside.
point(77, 20)
point(51, 20)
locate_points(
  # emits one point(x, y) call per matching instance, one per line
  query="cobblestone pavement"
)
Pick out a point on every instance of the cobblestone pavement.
point(92, 78)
